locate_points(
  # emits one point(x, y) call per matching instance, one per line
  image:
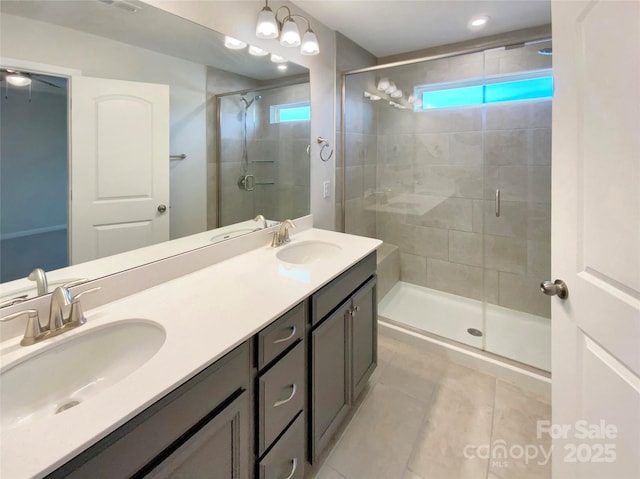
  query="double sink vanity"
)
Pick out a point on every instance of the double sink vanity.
point(244, 367)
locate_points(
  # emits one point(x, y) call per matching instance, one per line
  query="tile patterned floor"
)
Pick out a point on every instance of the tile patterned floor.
point(421, 412)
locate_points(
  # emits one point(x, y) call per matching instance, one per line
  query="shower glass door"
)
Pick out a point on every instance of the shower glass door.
point(517, 203)
point(427, 178)
point(429, 147)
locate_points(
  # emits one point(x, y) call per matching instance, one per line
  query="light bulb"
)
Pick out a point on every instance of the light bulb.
point(233, 43)
point(309, 43)
point(290, 36)
point(266, 27)
point(282, 67)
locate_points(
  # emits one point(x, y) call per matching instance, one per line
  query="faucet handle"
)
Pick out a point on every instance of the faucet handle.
point(76, 316)
point(33, 330)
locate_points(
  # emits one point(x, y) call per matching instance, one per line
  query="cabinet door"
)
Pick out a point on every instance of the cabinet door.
point(329, 376)
point(219, 450)
point(364, 338)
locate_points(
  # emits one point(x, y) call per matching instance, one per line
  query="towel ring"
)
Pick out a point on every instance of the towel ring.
point(325, 144)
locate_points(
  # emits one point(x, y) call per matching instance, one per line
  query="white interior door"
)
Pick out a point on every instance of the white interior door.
point(119, 166)
point(596, 239)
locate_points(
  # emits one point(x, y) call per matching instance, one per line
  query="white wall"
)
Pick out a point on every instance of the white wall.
point(96, 56)
point(238, 19)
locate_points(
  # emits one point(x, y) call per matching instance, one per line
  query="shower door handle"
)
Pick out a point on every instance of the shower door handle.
point(555, 288)
point(497, 203)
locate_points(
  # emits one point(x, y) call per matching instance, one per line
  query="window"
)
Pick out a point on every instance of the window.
point(527, 86)
point(288, 112)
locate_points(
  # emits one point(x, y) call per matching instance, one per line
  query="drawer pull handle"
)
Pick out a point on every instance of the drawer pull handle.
point(284, 340)
point(294, 466)
point(285, 401)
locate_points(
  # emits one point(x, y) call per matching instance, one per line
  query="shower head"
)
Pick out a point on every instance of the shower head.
point(248, 103)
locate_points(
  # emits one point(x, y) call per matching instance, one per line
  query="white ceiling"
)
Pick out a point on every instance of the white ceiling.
point(389, 27)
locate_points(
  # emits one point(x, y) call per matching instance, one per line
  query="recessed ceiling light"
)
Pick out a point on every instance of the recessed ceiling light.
point(478, 22)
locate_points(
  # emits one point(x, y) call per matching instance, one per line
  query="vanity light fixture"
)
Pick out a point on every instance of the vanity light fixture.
point(18, 79)
point(383, 84)
point(277, 58)
point(391, 88)
point(372, 96)
point(233, 43)
point(269, 26)
point(257, 52)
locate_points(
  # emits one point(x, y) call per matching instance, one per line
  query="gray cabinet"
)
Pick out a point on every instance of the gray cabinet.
point(281, 390)
point(219, 450)
point(343, 349)
point(211, 409)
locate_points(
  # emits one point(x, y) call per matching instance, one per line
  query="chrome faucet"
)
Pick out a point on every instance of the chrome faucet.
point(65, 313)
point(281, 236)
point(40, 277)
point(264, 221)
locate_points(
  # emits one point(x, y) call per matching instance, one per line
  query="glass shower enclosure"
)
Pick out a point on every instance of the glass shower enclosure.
point(449, 160)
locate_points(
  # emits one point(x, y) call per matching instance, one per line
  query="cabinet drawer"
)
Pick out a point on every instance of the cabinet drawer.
point(334, 293)
point(286, 459)
point(282, 390)
point(277, 337)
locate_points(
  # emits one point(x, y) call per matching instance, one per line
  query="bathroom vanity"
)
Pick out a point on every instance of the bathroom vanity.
point(290, 347)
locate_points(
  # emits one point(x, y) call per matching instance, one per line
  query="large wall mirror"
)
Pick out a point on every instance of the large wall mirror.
point(130, 134)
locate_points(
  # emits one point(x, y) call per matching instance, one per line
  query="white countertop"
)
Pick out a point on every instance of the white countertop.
point(205, 315)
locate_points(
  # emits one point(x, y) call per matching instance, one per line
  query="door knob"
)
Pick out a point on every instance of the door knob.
point(162, 208)
point(556, 288)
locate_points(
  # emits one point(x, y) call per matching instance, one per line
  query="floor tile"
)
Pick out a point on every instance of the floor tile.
point(327, 472)
point(457, 419)
point(380, 437)
point(414, 372)
point(517, 413)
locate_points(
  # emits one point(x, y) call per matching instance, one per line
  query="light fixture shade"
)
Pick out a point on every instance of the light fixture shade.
point(267, 27)
point(234, 43)
point(383, 84)
point(391, 88)
point(18, 79)
point(257, 52)
point(277, 58)
point(310, 44)
point(290, 35)
point(396, 94)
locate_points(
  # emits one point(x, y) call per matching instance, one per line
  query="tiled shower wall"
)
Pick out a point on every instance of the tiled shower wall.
point(277, 158)
point(436, 173)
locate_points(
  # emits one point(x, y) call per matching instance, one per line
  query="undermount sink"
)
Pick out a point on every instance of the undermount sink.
point(306, 252)
point(62, 376)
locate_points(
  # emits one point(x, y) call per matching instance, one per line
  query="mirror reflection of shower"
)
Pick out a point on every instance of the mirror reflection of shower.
point(246, 181)
point(262, 139)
